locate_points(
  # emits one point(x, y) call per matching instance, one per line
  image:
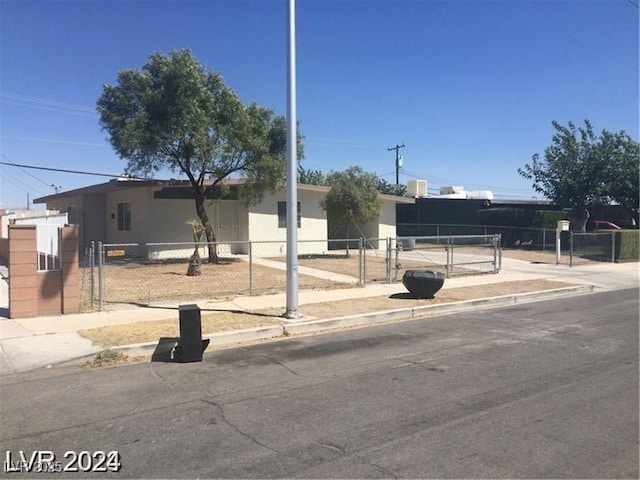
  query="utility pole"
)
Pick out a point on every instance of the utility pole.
point(397, 149)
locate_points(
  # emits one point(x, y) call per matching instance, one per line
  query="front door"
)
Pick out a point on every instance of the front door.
point(226, 221)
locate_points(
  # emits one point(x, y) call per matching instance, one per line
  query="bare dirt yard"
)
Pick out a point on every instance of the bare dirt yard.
point(150, 331)
point(147, 283)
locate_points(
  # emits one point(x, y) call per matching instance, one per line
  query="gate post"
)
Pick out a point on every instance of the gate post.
point(388, 260)
point(361, 261)
point(250, 268)
point(92, 262)
point(100, 276)
point(571, 249)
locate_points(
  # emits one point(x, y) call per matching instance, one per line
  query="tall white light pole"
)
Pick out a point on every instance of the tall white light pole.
point(292, 171)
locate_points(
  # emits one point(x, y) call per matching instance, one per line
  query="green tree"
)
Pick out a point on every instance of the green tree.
point(622, 177)
point(580, 169)
point(391, 188)
point(353, 197)
point(175, 114)
point(311, 177)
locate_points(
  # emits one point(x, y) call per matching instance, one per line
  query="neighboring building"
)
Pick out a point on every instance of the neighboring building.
point(125, 211)
point(460, 211)
point(48, 222)
point(416, 219)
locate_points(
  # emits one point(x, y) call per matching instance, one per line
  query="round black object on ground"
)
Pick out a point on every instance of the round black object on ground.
point(423, 283)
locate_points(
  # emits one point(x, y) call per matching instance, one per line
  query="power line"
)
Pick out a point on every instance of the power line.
point(51, 140)
point(44, 101)
point(52, 109)
point(12, 163)
point(25, 188)
point(64, 170)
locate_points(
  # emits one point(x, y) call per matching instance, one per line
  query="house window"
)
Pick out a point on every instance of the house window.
point(282, 214)
point(124, 216)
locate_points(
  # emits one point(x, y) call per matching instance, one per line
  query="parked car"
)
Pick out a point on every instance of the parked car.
point(599, 225)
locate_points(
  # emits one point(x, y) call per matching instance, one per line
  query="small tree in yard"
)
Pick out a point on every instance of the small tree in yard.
point(195, 262)
point(353, 197)
point(580, 169)
point(175, 114)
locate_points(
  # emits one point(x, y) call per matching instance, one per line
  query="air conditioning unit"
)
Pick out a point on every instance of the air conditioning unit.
point(417, 188)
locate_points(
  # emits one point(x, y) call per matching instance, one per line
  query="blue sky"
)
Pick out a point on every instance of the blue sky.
point(470, 87)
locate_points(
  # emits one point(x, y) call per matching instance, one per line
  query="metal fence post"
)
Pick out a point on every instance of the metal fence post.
point(388, 260)
point(495, 254)
point(613, 247)
point(448, 265)
point(364, 262)
point(451, 250)
point(361, 261)
point(250, 268)
point(571, 249)
point(92, 261)
point(499, 252)
point(100, 276)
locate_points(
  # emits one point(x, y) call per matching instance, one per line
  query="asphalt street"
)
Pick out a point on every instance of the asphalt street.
point(540, 390)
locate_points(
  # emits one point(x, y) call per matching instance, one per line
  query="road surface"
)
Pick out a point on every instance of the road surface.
point(541, 390)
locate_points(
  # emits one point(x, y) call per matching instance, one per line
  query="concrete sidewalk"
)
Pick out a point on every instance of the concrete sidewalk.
point(27, 344)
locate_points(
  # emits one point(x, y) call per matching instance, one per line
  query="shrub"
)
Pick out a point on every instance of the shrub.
point(628, 245)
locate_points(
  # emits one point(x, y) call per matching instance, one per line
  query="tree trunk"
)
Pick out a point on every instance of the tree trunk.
point(578, 218)
point(194, 269)
point(208, 229)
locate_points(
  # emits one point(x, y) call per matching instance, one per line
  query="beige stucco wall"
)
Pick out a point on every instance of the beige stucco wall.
point(263, 224)
point(141, 216)
point(168, 224)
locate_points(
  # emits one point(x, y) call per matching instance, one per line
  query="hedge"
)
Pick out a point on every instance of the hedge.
point(628, 245)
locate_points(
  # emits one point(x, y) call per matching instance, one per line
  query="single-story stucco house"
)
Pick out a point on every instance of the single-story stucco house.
point(125, 211)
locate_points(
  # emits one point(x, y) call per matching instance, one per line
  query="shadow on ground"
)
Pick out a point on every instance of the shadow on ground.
point(168, 349)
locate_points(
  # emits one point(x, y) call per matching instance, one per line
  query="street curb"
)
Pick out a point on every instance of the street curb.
point(431, 310)
point(315, 326)
point(217, 339)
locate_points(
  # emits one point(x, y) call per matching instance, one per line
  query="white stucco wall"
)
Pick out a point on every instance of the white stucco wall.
point(387, 221)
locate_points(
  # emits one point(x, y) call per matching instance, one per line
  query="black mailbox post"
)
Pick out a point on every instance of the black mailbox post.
point(191, 345)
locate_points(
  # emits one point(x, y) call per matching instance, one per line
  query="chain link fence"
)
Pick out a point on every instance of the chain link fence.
point(452, 255)
point(512, 237)
point(144, 274)
point(592, 246)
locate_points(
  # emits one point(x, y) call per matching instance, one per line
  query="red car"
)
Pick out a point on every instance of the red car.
point(598, 225)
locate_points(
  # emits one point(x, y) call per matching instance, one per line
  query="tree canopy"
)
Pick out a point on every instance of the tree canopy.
point(316, 177)
point(580, 169)
point(353, 197)
point(176, 114)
